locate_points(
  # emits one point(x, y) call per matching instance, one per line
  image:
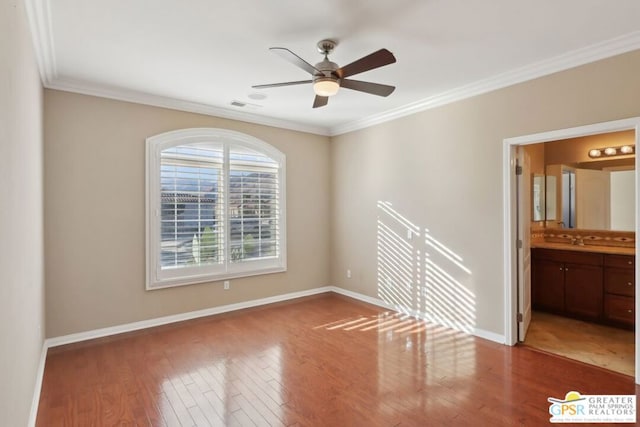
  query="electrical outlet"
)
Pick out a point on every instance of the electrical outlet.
point(348, 274)
point(226, 285)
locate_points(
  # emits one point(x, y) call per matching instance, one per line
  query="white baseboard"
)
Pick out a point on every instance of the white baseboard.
point(488, 335)
point(33, 414)
point(480, 333)
point(158, 321)
point(361, 297)
point(134, 326)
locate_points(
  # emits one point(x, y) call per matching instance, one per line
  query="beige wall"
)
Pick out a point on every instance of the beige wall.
point(21, 235)
point(441, 169)
point(95, 222)
point(438, 173)
point(536, 156)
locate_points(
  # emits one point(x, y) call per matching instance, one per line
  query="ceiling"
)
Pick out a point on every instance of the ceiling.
point(201, 55)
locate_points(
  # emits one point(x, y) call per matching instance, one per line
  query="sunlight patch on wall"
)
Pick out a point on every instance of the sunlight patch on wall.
point(422, 277)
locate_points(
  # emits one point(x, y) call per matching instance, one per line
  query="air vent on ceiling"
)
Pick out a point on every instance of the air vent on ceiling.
point(240, 104)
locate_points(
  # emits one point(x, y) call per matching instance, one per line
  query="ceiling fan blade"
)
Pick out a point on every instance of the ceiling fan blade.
point(368, 87)
point(299, 82)
point(287, 55)
point(320, 101)
point(377, 59)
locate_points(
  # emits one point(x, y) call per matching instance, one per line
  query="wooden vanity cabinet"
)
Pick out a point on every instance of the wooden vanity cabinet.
point(585, 285)
point(583, 291)
point(619, 288)
point(568, 283)
point(547, 284)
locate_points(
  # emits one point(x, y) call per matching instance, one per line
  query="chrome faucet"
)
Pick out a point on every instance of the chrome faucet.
point(577, 241)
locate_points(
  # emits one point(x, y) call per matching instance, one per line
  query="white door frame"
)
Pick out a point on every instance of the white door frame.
point(510, 232)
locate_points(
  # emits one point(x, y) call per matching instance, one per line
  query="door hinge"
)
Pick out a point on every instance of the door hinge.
point(518, 170)
point(519, 317)
point(519, 244)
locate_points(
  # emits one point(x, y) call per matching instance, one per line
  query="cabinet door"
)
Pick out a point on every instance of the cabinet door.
point(619, 281)
point(583, 291)
point(619, 309)
point(548, 285)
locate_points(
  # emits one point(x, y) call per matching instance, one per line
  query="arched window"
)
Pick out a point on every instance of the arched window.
point(215, 207)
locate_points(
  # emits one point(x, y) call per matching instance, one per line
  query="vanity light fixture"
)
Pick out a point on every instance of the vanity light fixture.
point(623, 150)
point(626, 149)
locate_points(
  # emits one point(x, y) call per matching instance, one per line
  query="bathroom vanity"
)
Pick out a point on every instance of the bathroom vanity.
point(595, 283)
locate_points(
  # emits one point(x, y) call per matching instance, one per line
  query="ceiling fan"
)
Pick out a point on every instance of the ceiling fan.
point(327, 77)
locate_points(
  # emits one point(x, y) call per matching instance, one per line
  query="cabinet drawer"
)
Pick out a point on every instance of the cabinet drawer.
point(574, 257)
point(619, 309)
point(619, 281)
point(621, 261)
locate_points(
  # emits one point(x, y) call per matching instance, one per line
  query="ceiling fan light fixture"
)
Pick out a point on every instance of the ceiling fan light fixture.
point(325, 86)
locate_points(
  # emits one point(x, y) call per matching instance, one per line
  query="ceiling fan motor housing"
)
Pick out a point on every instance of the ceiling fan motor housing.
point(328, 69)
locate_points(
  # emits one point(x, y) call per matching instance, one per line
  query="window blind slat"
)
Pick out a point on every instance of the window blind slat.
point(192, 206)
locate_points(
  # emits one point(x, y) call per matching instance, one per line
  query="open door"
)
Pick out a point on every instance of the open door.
point(524, 242)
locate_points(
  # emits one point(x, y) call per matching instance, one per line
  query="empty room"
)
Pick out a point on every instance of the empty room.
point(345, 213)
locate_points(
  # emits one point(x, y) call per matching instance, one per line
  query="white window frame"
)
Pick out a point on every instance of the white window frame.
point(156, 278)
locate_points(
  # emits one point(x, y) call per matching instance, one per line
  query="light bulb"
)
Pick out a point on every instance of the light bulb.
point(626, 149)
point(325, 86)
point(595, 153)
point(610, 151)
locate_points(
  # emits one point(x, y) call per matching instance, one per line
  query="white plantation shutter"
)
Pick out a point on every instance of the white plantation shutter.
point(215, 207)
point(253, 206)
point(191, 220)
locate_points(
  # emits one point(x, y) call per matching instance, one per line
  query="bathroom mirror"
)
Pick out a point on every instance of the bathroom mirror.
point(590, 198)
point(538, 197)
point(550, 197)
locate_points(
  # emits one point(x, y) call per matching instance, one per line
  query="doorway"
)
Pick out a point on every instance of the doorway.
point(511, 239)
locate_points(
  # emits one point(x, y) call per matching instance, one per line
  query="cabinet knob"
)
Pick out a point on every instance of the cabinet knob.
point(629, 311)
point(561, 268)
point(629, 262)
point(629, 284)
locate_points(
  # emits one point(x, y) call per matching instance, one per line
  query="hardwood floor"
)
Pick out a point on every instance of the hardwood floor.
point(599, 345)
point(319, 361)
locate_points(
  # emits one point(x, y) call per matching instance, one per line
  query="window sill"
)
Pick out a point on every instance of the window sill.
point(194, 280)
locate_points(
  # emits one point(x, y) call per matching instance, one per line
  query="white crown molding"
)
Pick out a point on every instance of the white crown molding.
point(596, 52)
point(39, 17)
point(120, 94)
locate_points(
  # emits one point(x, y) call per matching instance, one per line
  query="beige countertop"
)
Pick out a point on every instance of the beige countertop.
point(584, 248)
